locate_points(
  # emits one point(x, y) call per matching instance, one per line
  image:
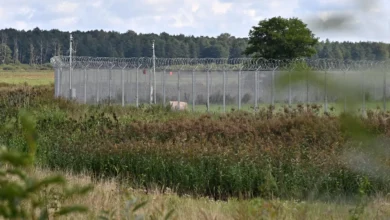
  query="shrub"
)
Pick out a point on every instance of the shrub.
point(22, 195)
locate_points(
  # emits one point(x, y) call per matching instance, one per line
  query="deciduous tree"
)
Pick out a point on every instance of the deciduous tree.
point(281, 38)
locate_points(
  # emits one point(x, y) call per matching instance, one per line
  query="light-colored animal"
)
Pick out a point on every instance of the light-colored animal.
point(175, 105)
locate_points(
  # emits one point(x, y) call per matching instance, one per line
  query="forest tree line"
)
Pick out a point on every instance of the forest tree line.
point(38, 46)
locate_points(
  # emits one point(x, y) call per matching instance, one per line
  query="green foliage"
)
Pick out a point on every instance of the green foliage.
point(5, 54)
point(23, 195)
point(111, 44)
point(280, 38)
point(294, 153)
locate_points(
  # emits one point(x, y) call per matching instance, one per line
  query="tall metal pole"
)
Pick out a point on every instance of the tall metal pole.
point(256, 89)
point(239, 90)
point(178, 88)
point(154, 76)
point(307, 89)
point(137, 88)
point(326, 92)
point(97, 84)
point(273, 88)
point(123, 85)
point(224, 90)
point(193, 90)
point(60, 83)
point(208, 90)
point(85, 85)
point(109, 86)
point(164, 82)
point(70, 66)
point(384, 90)
point(364, 95)
point(289, 89)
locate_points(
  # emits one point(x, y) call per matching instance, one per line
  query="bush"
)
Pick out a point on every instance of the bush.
point(22, 195)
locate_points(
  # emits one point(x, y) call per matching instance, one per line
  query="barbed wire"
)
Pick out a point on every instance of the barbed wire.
point(217, 64)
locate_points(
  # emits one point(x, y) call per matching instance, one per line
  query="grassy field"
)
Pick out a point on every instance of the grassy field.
point(274, 164)
point(37, 77)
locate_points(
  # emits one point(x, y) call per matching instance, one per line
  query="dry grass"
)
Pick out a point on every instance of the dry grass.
point(111, 196)
point(37, 77)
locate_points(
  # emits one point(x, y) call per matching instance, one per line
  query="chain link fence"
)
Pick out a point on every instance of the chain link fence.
point(216, 84)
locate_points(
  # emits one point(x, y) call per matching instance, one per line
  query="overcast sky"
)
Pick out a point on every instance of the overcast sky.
point(352, 20)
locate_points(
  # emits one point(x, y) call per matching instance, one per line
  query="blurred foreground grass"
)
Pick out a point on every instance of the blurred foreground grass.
point(112, 196)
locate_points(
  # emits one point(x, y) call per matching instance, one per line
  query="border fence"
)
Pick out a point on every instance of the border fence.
point(215, 84)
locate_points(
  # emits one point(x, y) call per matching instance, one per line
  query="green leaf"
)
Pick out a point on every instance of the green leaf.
point(15, 159)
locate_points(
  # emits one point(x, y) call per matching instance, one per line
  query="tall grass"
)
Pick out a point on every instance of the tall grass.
point(292, 153)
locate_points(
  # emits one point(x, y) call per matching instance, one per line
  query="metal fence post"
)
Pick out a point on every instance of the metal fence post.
point(137, 85)
point(384, 90)
point(154, 86)
point(178, 88)
point(239, 90)
point(307, 88)
point(163, 86)
point(208, 89)
point(211, 83)
point(56, 71)
point(85, 85)
point(123, 85)
point(364, 95)
point(70, 84)
point(193, 88)
point(150, 88)
point(109, 85)
point(57, 82)
point(256, 89)
point(273, 88)
point(224, 90)
point(60, 82)
point(345, 96)
point(178, 83)
point(98, 84)
point(289, 89)
point(326, 93)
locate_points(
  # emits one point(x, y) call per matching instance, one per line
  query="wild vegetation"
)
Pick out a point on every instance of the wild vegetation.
point(294, 154)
